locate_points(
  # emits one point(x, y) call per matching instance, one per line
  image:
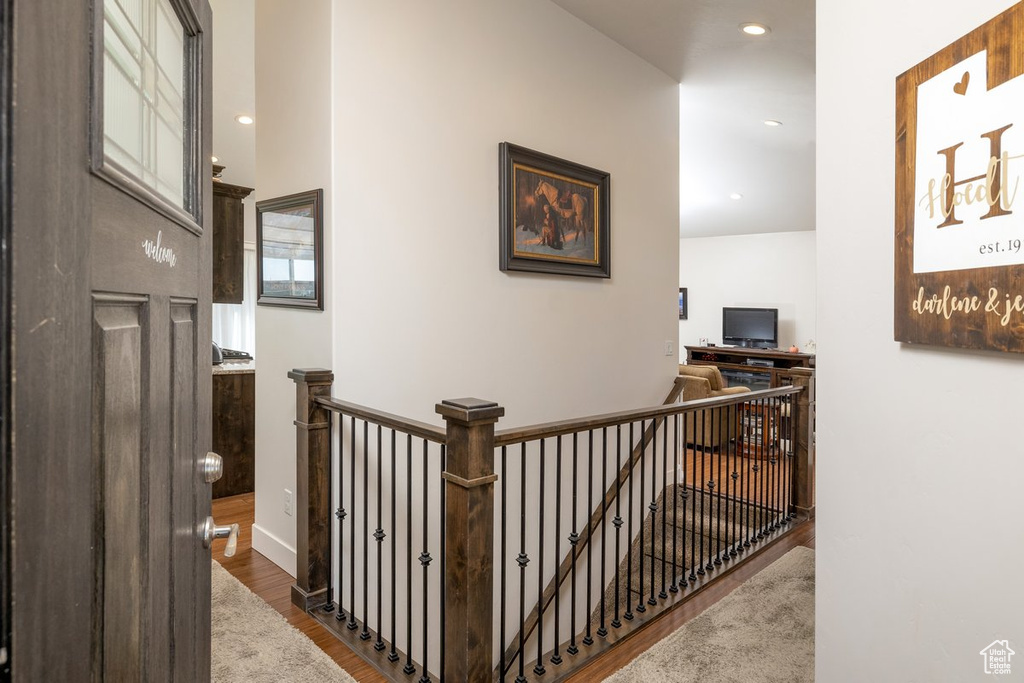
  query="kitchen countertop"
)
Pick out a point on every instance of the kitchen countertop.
point(234, 367)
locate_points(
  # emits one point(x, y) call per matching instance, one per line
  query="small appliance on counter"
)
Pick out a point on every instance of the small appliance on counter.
point(221, 355)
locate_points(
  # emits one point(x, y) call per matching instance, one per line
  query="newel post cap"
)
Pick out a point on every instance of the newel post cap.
point(469, 411)
point(311, 375)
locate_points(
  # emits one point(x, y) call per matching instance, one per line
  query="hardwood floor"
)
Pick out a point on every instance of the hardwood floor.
point(273, 584)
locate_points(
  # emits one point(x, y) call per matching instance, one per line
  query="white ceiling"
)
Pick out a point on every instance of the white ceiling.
point(729, 84)
point(234, 89)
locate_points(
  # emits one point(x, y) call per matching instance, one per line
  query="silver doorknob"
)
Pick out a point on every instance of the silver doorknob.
point(212, 466)
point(211, 531)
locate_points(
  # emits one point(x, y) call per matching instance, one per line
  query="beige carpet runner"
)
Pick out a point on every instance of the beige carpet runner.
point(763, 632)
point(252, 643)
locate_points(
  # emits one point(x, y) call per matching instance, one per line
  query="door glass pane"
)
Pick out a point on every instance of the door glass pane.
point(144, 93)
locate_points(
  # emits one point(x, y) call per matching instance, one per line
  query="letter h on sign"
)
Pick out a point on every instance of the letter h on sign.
point(991, 175)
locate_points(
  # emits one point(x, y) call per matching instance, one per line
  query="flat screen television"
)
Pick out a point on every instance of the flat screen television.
point(751, 327)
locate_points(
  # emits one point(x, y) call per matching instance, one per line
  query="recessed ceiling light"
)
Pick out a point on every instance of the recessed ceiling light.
point(735, 195)
point(245, 120)
point(214, 159)
point(772, 123)
point(752, 29)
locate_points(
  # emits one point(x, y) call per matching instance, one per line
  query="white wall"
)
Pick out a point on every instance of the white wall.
point(775, 270)
point(293, 154)
point(417, 308)
point(423, 96)
point(919, 452)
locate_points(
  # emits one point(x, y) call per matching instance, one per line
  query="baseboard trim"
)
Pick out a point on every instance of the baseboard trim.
point(274, 549)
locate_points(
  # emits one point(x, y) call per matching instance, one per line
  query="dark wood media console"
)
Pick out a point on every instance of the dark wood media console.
point(757, 368)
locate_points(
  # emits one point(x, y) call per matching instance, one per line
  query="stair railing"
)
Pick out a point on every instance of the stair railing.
point(592, 525)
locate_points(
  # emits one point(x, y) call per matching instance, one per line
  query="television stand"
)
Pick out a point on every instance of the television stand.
point(766, 365)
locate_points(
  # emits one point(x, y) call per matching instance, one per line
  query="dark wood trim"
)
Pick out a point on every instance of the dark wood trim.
point(507, 437)
point(420, 430)
point(313, 490)
point(469, 540)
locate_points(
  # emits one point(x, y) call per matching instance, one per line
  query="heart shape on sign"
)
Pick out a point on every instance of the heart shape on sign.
point(961, 87)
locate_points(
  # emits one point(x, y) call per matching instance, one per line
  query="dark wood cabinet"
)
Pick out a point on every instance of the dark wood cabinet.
point(234, 428)
point(751, 367)
point(228, 242)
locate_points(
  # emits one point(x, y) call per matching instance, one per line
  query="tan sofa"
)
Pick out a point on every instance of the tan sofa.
point(705, 381)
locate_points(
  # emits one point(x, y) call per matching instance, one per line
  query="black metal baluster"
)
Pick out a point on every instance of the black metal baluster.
point(703, 483)
point(755, 473)
point(790, 450)
point(341, 514)
point(785, 422)
point(365, 633)
point(718, 473)
point(691, 490)
point(443, 544)
point(588, 639)
point(602, 630)
point(522, 561)
point(617, 522)
point(653, 505)
point(643, 522)
point(393, 655)
point(379, 535)
point(504, 528)
point(766, 459)
point(556, 658)
point(746, 474)
point(573, 540)
point(539, 667)
point(776, 446)
point(409, 669)
point(629, 534)
point(760, 470)
point(353, 624)
point(734, 475)
point(675, 503)
point(664, 510)
point(425, 559)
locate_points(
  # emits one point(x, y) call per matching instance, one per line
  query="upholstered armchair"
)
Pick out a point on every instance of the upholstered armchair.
point(705, 381)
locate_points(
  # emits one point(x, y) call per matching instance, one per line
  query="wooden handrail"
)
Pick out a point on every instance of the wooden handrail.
point(471, 441)
point(552, 429)
point(506, 437)
point(418, 429)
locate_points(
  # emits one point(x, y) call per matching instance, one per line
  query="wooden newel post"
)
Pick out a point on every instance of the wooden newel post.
point(803, 443)
point(469, 538)
point(313, 489)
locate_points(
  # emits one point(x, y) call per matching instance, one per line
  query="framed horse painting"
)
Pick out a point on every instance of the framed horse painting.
point(554, 215)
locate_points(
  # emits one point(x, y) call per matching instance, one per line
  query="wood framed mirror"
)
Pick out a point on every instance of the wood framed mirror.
point(289, 247)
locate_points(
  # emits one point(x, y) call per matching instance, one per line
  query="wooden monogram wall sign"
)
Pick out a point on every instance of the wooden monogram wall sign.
point(959, 196)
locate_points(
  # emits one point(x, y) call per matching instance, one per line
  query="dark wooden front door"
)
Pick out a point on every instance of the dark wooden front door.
point(109, 338)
